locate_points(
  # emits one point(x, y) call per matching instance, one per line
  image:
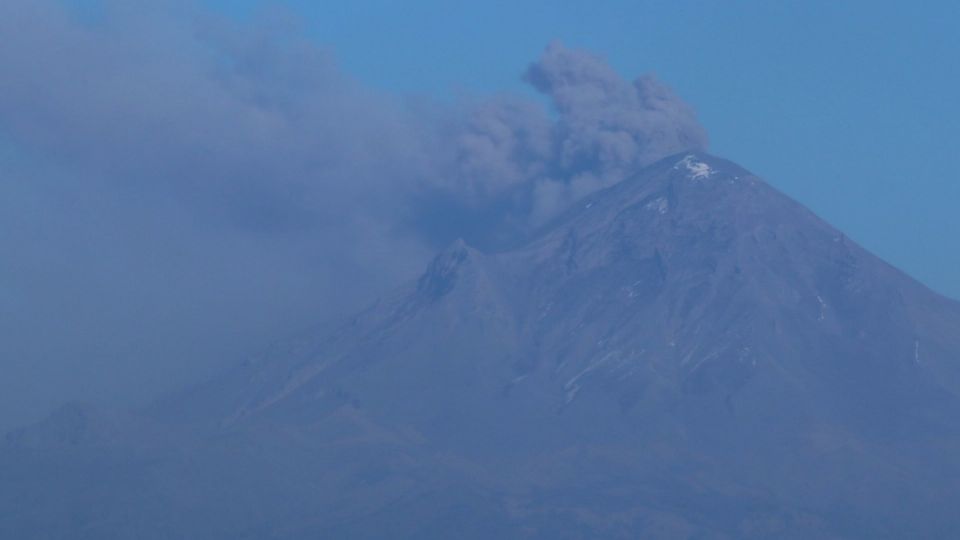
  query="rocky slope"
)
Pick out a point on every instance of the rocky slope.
point(688, 354)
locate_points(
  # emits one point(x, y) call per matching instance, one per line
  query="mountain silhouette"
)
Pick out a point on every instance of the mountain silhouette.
point(686, 354)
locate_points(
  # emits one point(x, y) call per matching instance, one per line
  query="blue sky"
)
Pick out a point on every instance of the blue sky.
point(850, 107)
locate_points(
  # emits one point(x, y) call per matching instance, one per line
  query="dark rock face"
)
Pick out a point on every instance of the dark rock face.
point(688, 354)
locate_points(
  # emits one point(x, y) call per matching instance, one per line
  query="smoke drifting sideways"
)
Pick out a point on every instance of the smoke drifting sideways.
point(177, 189)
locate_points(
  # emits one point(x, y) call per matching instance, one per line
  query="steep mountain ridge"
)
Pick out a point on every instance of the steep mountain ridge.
point(688, 353)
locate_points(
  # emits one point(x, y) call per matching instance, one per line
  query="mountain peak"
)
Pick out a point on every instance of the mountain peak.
point(696, 168)
point(686, 340)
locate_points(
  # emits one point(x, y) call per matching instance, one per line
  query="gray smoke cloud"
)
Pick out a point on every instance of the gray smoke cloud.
point(175, 189)
point(607, 126)
point(604, 128)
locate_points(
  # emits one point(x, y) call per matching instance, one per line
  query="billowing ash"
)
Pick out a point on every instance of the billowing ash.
point(160, 169)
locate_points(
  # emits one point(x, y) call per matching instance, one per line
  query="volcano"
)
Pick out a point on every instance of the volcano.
point(686, 354)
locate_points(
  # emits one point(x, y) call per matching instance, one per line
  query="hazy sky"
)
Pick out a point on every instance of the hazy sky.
point(849, 106)
point(181, 182)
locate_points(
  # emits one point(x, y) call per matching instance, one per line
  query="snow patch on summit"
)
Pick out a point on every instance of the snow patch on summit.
point(660, 204)
point(696, 169)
